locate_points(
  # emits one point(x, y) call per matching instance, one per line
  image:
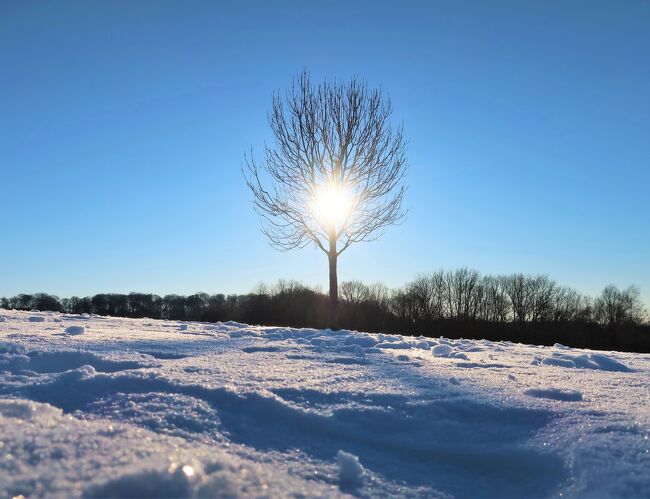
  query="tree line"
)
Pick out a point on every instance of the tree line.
point(458, 303)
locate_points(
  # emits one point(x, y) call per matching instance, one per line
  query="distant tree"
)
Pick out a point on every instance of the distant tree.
point(335, 175)
point(420, 302)
point(496, 306)
point(118, 305)
point(173, 307)
point(217, 301)
point(85, 305)
point(100, 304)
point(429, 295)
point(44, 301)
point(144, 305)
point(569, 305)
point(461, 291)
point(261, 288)
point(72, 307)
point(517, 289)
point(541, 290)
point(614, 307)
point(22, 302)
point(354, 292)
point(195, 305)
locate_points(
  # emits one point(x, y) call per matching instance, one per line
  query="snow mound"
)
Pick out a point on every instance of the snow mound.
point(8, 348)
point(15, 359)
point(242, 334)
point(36, 318)
point(235, 324)
point(350, 470)
point(75, 330)
point(447, 351)
point(176, 481)
point(29, 411)
point(558, 362)
point(395, 345)
point(555, 394)
point(595, 361)
point(362, 340)
point(441, 351)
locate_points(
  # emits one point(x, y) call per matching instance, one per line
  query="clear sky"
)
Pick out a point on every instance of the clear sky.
point(123, 127)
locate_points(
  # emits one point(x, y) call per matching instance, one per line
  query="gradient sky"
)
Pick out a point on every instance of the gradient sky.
point(123, 127)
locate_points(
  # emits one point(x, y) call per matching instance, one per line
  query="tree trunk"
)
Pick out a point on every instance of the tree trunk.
point(334, 289)
point(332, 257)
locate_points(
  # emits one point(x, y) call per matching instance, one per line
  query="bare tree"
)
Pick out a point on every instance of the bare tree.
point(541, 290)
point(380, 295)
point(517, 289)
point(615, 306)
point(496, 305)
point(461, 292)
point(354, 292)
point(568, 305)
point(334, 176)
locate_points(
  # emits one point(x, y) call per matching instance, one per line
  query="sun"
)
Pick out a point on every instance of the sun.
point(331, 204)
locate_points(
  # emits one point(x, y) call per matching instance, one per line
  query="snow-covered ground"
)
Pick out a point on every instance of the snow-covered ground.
point(103, 407)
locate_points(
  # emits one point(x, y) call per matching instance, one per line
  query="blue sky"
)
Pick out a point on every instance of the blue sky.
point(124, 126)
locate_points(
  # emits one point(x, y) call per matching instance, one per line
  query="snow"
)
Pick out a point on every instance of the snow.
point(555, 394)
point(350, 470)
point(441, 351)
point(144, 408)
point(585, 361)
point(75, 330)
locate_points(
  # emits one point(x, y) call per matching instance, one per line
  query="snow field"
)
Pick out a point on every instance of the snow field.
point(148, 408)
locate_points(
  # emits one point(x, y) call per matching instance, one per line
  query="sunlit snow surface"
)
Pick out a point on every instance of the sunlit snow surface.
point(107, 407)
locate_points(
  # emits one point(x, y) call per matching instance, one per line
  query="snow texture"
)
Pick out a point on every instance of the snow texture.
point(145, 408)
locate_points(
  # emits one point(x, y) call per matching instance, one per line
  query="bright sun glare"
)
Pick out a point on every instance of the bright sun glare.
point(331, 204)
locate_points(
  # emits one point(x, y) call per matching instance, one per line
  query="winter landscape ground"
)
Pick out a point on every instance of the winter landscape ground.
point(102, 407)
